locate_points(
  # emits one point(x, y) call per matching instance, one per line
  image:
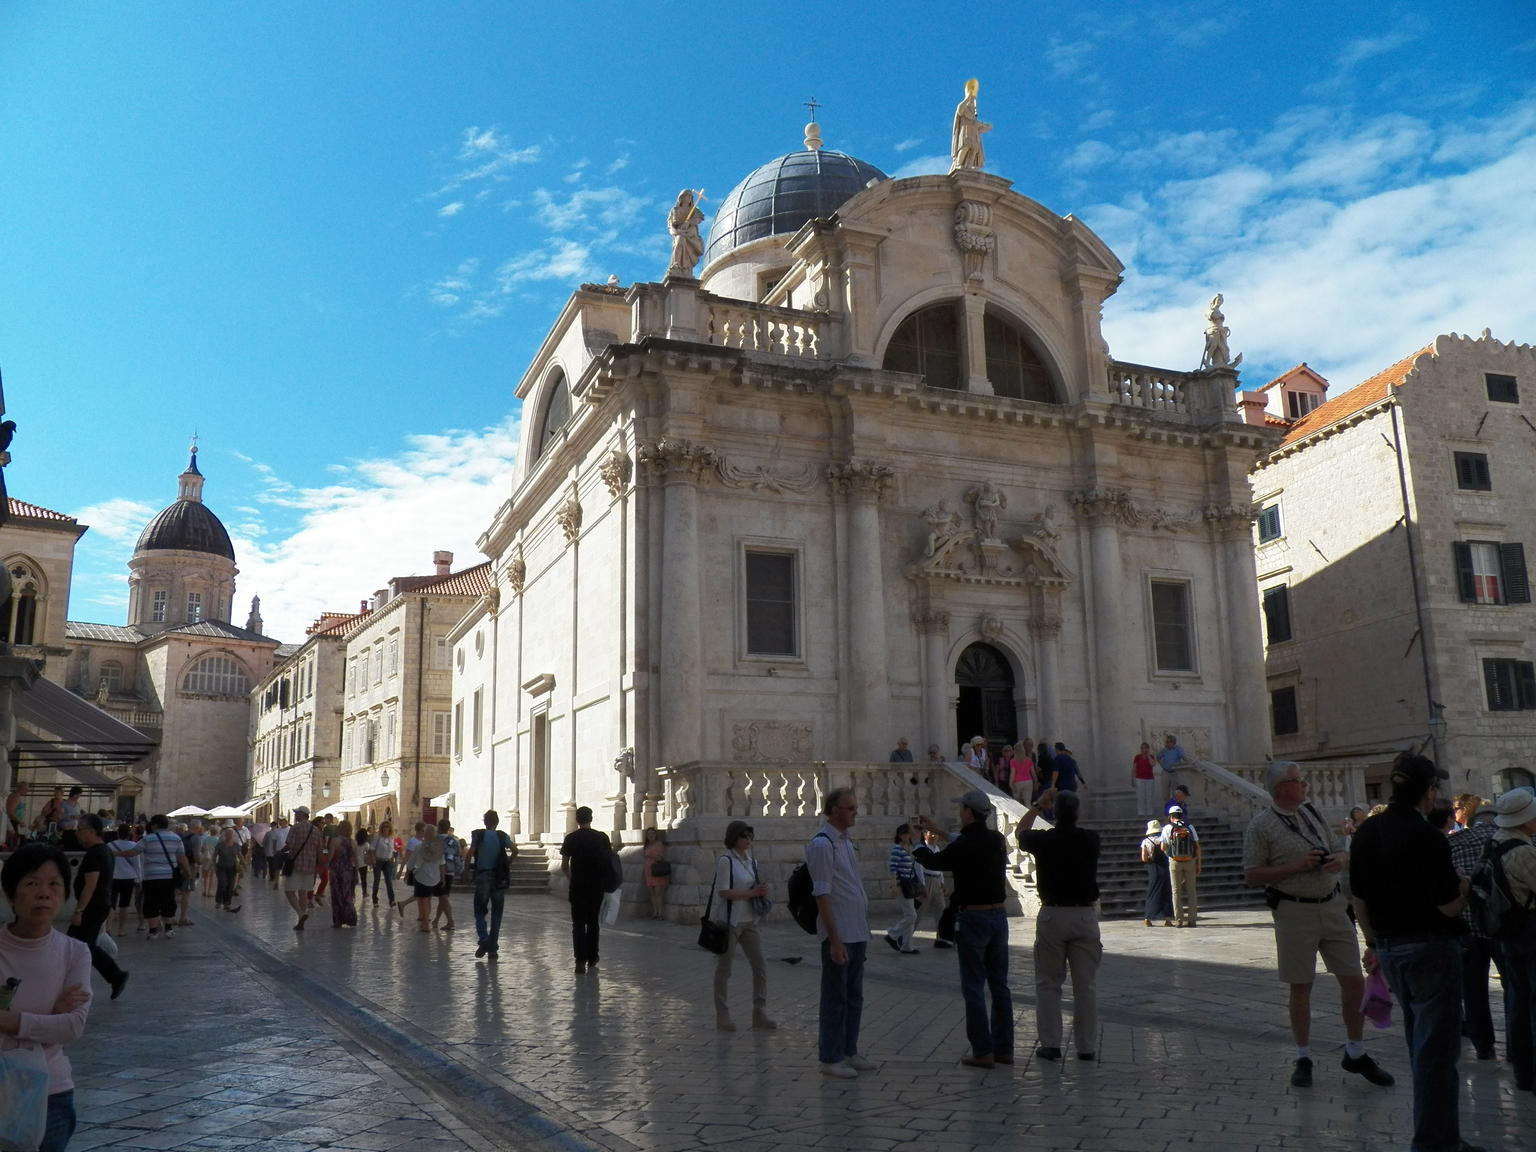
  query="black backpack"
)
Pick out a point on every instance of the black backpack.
point(802, 905)
point(1495, 912)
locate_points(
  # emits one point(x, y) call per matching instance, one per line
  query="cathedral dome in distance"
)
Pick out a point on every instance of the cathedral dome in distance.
point(187, 525)
point(785, 194)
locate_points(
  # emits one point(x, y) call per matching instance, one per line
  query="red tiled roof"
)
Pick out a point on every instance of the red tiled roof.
point(1358, 398)
point(332, 622)
point(474, 581)
point(34, 512)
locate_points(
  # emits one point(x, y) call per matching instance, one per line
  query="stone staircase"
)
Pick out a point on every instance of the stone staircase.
point(529, 871)
point(1123, 877)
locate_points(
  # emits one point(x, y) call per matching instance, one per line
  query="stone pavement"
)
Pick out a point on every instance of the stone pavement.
point(278, 1041)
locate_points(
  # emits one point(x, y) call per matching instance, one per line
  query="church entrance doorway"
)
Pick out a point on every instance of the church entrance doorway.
point(985, 680)
point(538, 808)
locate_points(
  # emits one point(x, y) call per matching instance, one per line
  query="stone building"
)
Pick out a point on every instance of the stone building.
point(178, 670)
point(37, 547)
point(873, 473)
point(1391, 562)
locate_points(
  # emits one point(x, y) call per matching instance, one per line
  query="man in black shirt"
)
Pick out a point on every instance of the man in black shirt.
point(1067, 929)
point(1408, 900)
point(586, 857)
point(978, 858)
point(93, 900)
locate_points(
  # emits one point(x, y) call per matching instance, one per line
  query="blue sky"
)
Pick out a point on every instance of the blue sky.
point(328, 237)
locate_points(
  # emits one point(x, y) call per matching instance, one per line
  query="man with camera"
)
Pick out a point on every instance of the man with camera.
point(1296, 855)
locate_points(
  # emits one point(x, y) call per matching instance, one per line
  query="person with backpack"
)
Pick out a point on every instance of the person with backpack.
point(842, 906)
point(1468, 846)
point(1512, 861)
point(453, 867)
point(1298, 857)
point(1181, 844)
point(488, 852)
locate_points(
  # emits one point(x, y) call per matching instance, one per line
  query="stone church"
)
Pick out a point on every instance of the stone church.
point(178, 671)
point(871, 472)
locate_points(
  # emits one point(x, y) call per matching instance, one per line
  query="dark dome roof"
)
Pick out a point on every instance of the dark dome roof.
point(784, 194)
point(186, 526)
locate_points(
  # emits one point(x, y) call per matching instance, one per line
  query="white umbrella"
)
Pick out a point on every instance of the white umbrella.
point(225, 812)
point(190, 810)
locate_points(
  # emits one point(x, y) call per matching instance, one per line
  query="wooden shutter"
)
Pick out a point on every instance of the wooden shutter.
point(1496, 692)
point(1525, 684)
point(1466, 589)
point(1517, 587)
point(1277, 614)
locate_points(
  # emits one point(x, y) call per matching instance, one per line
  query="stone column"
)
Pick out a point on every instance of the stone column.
point(976, 345)
point(937, 729)
point(862, 484)
point(1045, 628)
point(680, 467)
point(1247, 698)
point(1112, 703)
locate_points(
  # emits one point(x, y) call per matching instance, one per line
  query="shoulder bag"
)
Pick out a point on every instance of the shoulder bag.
point(290, 854)
point(760, 904)
point(714, 936)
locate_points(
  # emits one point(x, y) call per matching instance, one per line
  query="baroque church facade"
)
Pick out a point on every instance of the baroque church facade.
point(178, 671)
point(871, 473)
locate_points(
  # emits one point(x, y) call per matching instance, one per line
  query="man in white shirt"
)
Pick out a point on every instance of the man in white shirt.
point(843, 928)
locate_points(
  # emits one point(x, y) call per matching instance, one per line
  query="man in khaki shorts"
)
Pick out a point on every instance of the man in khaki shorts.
point(1291, 850)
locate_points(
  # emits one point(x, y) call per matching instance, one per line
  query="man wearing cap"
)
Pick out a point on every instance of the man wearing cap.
point(1408, 900)
point(978, 860)
point(1515, 814)
point(303, 847)
point(1067, 929)
point(1477, 952)
point(1181, 844)
point(1290, 849)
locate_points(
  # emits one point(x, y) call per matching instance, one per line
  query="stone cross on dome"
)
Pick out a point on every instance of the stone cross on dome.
point(813, 129)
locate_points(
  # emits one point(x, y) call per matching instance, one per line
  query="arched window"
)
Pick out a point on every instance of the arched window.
point(216, 676)
point(557, 411)
point(18, 615)
point(111, 677)
point(930, 343)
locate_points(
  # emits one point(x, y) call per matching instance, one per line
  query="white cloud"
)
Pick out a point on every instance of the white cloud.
point(1067, 57)
point(1348, 270)
point(118, 520)
point(484, 154)
point(383, 517)
point(923, 166)
point(558, 260)
point(451, 209)
point(1365, 48)
point(618, 165)
point(909, 143)
point(609, 210)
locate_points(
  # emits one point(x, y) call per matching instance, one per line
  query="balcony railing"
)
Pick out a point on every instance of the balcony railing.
point(1155, 389)
point(760, 328)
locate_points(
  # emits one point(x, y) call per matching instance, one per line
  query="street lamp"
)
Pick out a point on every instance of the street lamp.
point(325, 789)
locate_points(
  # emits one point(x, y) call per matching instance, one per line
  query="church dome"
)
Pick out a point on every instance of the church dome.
point(186, 526)
point(784, 194)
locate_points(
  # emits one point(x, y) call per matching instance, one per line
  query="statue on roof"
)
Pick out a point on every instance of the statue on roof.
point(1217, 353)
point(965, 150)
point(683, 223)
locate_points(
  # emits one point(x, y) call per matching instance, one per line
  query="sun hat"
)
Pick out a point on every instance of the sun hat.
point(977, 801)
point(1154, 826)
point(1514, 808)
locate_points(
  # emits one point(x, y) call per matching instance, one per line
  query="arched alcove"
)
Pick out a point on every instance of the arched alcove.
point(930, 342)
point(555, 413)
point(986, 688)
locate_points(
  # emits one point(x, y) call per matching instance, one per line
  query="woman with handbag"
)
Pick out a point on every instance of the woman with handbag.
point(425, 864)
point(908, 886)
point(658, 872)
point(738, 900)
point(45, 995)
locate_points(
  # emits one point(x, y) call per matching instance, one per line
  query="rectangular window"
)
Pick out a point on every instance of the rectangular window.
point(458, 730)
point(1298, 404)
point(160, 599)
point(1277, 614)
point(371, 749)
point(1269, 523)
point(442, 734)
point(391, 735)
point(378, 664)
point(440, 652)
point(194, 607)
point(1172, 626)
point(394, 656)
point(478, 717)
point(1472, 472)
point(1502, 388)
point(1282, 712)
point(1511, 685)
point(1491, 573)
point(352, 675)
point(771, 625)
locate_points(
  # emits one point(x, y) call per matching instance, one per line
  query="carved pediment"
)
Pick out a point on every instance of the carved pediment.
point(971, 558)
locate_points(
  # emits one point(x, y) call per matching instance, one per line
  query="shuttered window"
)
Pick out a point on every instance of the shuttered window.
point(1277, 614)
point(1491, 573)
point(1511, 685)
point(1282, 712)
point(1472, 472)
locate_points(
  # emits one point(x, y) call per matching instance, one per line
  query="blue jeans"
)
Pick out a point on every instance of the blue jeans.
point(1425, 977)
point(1477, 1018)
point(386, 869)
point(842, 1003)
point(490, 898)
point(1517, 965)
point(61, 1122)
point(982, 941)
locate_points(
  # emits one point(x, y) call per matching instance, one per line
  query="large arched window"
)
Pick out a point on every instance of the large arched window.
point(557, 411)
point(18, 615)
point(930, 342)
point(216, 676)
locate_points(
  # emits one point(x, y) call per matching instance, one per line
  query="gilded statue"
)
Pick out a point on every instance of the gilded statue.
point(965, 148)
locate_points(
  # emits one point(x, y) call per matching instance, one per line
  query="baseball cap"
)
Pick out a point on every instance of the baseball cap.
point(301, 810)
point(977, 801)
point(1175, 811)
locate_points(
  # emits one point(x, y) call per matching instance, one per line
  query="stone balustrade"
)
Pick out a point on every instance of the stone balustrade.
point(761, 328)
point(1333, 786)
point(1154, 389)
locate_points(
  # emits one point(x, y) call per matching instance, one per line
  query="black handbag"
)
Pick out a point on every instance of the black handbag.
point(714, 936)
point(662, 867)
point(912, 887)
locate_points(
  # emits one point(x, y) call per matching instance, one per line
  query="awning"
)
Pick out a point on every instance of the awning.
point(55, 729)
point(190, 810)
point(446, 800)
point(356, 805)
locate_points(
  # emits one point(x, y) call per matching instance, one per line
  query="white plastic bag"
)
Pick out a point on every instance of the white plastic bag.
point(610, 911)
point(24, 1088)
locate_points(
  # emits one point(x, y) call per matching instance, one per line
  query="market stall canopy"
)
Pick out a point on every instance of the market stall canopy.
point(234, 811)
point(446, 800)
point(190, 810)
point(59, 731)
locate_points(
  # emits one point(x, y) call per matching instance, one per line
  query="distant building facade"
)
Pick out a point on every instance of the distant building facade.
point(1390, 554)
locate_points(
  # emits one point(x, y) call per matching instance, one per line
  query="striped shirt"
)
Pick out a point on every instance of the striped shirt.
point(901, 864)
point(833, 861)
point(160, 854)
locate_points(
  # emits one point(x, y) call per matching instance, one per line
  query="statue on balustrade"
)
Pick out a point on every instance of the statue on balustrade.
point(1217, 353)
point(683, 223)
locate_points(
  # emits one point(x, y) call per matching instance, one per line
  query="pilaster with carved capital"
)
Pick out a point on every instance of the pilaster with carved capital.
point(615, 471)
point(568, 515)
point(931, 623)
point(1098, 505)
point(517, 572)
point(672, 460)
point(1230, 519)
point(1045, 626)
point(860, 479)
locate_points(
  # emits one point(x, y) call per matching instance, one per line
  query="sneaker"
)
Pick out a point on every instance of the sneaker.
point(861, 1063)
point(893, 942)
point(235, 909)
point(592, 964)
point(764, 1023)
point(170, 933)
point(839, 1070)
point(1301, 1075)
point(154, 934)
point(909, 951)
point(724, 1024)
point(485, 946)
point(1048, 1053)
point(119, 984)
point(1371, 1070)
point(978, 1061)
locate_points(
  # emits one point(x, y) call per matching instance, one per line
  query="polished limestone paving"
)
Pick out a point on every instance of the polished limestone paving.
point(242, 1033)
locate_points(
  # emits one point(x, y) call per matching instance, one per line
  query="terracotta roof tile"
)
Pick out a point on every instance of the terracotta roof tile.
point(1358, 398)
point(35, 512)
point(474, 581)
point(331, 622)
